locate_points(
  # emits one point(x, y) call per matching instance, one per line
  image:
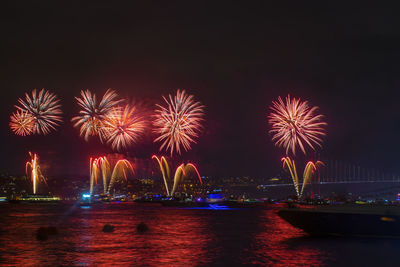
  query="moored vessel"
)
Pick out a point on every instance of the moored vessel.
point(345, 220)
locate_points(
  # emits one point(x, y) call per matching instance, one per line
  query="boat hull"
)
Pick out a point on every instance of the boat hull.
point(344, 223)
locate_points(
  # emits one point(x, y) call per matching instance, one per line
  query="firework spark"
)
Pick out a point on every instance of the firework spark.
point(294, 123)
point(98, 165)
point(33, 171)
point(44, 108)
point(164, 168)
point(123, 127)
point(181, 172)
point(178, 123)
point(102, 166)
point(120, 171)
point(91, 117)
point(309, 170)
point(22, 123)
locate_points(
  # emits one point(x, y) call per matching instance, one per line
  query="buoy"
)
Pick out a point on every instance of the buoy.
point(52, 230)
point(108, 228)
point(41, 234)
point(142, 227)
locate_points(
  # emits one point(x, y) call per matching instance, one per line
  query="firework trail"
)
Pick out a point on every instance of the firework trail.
point(101, 166)
point(94, 173)
point(22, 123)
point(309, 170)
point(294, 123)
point(33, 171)
point(290, 164)
point(92, 114)
point(179, 122)
point(123, 126)
point(120, 171)
point(44, 108)
point(180, 173)
point(97, 166)
point(163, 164)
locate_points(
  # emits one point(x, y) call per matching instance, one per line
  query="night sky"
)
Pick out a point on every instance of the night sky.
point(236, 59)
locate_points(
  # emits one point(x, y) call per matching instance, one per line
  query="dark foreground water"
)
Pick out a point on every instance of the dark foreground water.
point(177, 237)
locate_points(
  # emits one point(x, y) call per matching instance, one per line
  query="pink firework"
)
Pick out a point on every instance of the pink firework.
point(92, 115)
point(179, 122)
point(44, 108)
point(295, 124)
point(123, 126)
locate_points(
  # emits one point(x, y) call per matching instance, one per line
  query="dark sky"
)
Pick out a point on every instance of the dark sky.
point(236, 59)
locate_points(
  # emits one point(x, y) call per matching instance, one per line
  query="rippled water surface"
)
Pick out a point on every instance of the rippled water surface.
point(176, 237)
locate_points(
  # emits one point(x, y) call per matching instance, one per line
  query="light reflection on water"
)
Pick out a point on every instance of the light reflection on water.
point(177, 237)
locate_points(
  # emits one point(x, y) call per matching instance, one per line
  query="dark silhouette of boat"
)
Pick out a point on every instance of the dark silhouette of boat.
point(345, 220)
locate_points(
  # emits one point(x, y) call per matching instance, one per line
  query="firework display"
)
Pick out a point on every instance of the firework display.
point(42, 108)
point(164, 168)
point(179, 122)
point(92, 114)
point(120, 171)
point(123, 126)
point(102, 166)
point(181, 172)
point(97, 166)
point(33, 171)
point(309, 170)
point(22, 123)
point(295, 124)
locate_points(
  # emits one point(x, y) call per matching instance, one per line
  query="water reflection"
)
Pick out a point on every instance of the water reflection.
point(177, 237)
point(274, 245)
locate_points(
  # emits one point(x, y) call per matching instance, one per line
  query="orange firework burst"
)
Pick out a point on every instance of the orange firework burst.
point(123, 126)
point(294, 123)
point(22, 123)
point(91, 117)
point(44, 108)
point(178, 123)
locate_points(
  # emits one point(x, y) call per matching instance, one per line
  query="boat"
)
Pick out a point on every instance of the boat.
point(345, 220)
